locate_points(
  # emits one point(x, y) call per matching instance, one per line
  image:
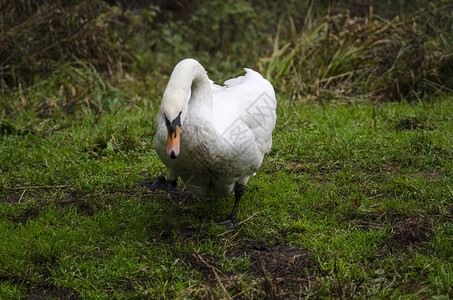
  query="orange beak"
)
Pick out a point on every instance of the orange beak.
point(173, 142)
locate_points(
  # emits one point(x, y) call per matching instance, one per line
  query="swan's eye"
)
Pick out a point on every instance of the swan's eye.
point(167, 122)
point(177, 120)
point(175, 123)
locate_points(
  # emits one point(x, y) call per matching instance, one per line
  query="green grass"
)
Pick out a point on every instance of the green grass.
point(353, 201)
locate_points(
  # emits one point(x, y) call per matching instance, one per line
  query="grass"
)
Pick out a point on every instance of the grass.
point(353, 201)
point(341, 57)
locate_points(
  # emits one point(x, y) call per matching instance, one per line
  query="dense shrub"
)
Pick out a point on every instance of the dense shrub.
point(38, 36)
point(311, 49)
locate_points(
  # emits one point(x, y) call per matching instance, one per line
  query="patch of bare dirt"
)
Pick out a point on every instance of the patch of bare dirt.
point(405, 232)
point(12, 197)
point(284, 270)
point(53, 292)
point(411, 123)
point(412, 233)
point(29, 214)
point(82, 201)
point(281, 272)
point(431, 174)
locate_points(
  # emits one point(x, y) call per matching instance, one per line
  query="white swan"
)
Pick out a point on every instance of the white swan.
point(213, 137)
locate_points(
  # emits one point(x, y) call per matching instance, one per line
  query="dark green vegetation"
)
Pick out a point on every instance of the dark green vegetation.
point(354, 200)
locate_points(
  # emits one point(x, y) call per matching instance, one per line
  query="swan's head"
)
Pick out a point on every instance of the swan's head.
point(173, 136)
point(174, 108)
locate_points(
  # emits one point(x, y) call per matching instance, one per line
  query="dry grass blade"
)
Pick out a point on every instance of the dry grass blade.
point(214, 270)
point(340, 58)
point(36, 37)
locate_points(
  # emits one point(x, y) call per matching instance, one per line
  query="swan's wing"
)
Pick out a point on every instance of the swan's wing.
point(215, 87)
point(246, 106)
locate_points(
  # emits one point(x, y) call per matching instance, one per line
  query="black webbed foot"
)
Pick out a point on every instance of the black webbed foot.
point(227, 224)
point(160, 183)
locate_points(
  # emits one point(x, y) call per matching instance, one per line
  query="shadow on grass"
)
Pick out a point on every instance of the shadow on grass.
point(237, 263)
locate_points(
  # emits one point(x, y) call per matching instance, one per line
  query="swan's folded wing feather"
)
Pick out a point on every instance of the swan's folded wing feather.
point(215, 87)
point(249, 104)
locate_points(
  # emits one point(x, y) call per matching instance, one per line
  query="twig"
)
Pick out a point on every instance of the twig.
point(59, 128)
point(201, 259)
point(335, 271)
point(6, 272)
point(20, 198)
point(358, 285)
point(228, 240)
point(240, 223)
point(243, 291)
point(270, 286)
point(220, 282)
point(38, 187)
point(246, 220)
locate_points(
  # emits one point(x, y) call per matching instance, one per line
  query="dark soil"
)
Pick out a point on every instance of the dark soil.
point(29, 214)
point(282, 271)
point(52, 293)
point(409, 233)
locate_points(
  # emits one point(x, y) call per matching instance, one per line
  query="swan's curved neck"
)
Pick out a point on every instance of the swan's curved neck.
point(188, 76)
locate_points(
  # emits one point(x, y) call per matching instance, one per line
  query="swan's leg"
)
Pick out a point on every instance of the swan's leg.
point(173, 183)
point(231, 221)
point(238, 192)
point(160, 183)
